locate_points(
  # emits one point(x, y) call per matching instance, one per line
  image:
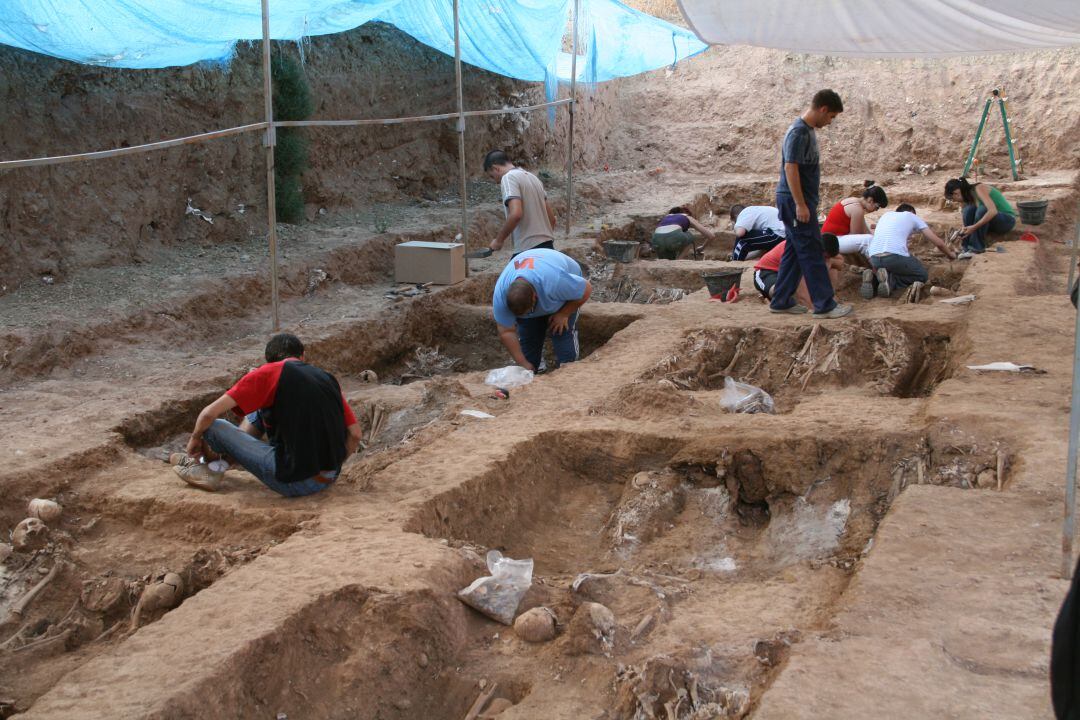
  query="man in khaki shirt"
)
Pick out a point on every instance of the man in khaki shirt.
point(529, 217)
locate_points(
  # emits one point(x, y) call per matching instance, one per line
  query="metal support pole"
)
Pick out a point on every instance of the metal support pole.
point(271, 140)
point(1070, 473)
point(1008, 138)
point(573, 111)
point(978, 136)
point(461, 134)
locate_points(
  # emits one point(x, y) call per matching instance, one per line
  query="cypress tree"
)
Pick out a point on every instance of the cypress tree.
point(292, 101)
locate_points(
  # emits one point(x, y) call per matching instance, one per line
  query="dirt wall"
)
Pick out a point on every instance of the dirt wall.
point(726, 110)
point(56, 219)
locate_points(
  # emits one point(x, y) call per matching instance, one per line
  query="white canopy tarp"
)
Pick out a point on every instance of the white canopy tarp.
point(888, 28)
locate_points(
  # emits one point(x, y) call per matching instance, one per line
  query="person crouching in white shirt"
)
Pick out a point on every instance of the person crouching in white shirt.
point(894, 266)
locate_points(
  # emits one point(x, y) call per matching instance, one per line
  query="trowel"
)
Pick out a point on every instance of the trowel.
point(482, 253)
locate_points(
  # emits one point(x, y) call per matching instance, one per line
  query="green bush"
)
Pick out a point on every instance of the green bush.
point(292, 101)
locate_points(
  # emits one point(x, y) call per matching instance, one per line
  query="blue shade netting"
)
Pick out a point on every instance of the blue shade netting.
point(521, 39)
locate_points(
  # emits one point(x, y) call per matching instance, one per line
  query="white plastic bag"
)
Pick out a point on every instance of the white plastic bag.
point(497, 595)
point(742, 398)
point(511, 376)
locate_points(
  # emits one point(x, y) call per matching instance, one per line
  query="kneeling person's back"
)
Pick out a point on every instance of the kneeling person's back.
point(296, 433)
point(892, 232)
point(309, 422)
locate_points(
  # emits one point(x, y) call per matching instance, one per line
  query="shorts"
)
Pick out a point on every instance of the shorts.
point(764, 281)
point(852, 244)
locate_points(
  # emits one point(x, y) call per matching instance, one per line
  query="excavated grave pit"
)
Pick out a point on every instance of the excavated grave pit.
point(738, 543)
point(645, 283)
point(590, 505)
point(356, 653)
point(883, 357)
point(465, 335)
point(640, 229)
point(109, 551)
point(942, 274)
point(443, 335)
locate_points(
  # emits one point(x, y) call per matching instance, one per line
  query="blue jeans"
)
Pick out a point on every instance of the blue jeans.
point(903, 269)
point(532, 332)
point(257, 457)
point(998, 225)
point(804, 257)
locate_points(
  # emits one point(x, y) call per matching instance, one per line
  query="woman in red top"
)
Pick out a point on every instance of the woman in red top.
point(847, 220)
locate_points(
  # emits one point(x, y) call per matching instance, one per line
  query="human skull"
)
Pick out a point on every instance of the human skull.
point(535, 625)
point(177, 584)
point(163, 595)
point(45, 510)
point(30, 534)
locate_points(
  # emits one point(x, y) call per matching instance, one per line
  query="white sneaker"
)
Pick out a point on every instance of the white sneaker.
point(199, 475)
point(866, 290)
point(966, 255)
point(883, 289)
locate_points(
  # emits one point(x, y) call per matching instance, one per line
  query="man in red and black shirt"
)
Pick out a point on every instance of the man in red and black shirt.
point(296, 433)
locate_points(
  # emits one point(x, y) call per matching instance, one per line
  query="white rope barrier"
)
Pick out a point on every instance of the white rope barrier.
point(261, 126)
point(134, 149)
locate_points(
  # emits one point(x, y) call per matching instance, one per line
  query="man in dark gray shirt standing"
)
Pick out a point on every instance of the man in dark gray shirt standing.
point(797, 201)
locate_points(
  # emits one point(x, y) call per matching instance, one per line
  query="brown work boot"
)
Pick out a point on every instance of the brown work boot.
point(199, 475)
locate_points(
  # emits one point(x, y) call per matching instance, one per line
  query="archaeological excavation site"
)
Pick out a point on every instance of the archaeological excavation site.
point(719, 507)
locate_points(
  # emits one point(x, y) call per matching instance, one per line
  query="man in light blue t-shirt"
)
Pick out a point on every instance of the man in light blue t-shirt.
point(538, 295)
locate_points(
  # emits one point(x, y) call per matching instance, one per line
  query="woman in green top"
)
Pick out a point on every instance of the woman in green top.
point(985, 211)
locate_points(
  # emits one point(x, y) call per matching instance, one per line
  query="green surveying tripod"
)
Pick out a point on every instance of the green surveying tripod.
point(1000, 99)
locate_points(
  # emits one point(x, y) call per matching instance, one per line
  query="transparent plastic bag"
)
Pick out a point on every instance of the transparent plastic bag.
point(511, 376)
point(497, 595)
point(742, 398)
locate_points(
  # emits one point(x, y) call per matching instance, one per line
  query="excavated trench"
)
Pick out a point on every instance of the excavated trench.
point(468, 335)
point(740, 542)
point(646, 283)
point(682, 537)
point(445, 335)
point(880, 357)
point(354, 653)
point(110, 555)
point(640, 499)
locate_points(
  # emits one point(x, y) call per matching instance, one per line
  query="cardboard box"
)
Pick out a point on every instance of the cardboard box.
point(434, 262)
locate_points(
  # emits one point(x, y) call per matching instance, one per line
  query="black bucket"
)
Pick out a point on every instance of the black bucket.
point(623, 251)
point(1032, 212)
point(720, 282)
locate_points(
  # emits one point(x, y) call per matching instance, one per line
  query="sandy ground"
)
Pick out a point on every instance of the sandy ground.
point(886, 544)
point(788, 565)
